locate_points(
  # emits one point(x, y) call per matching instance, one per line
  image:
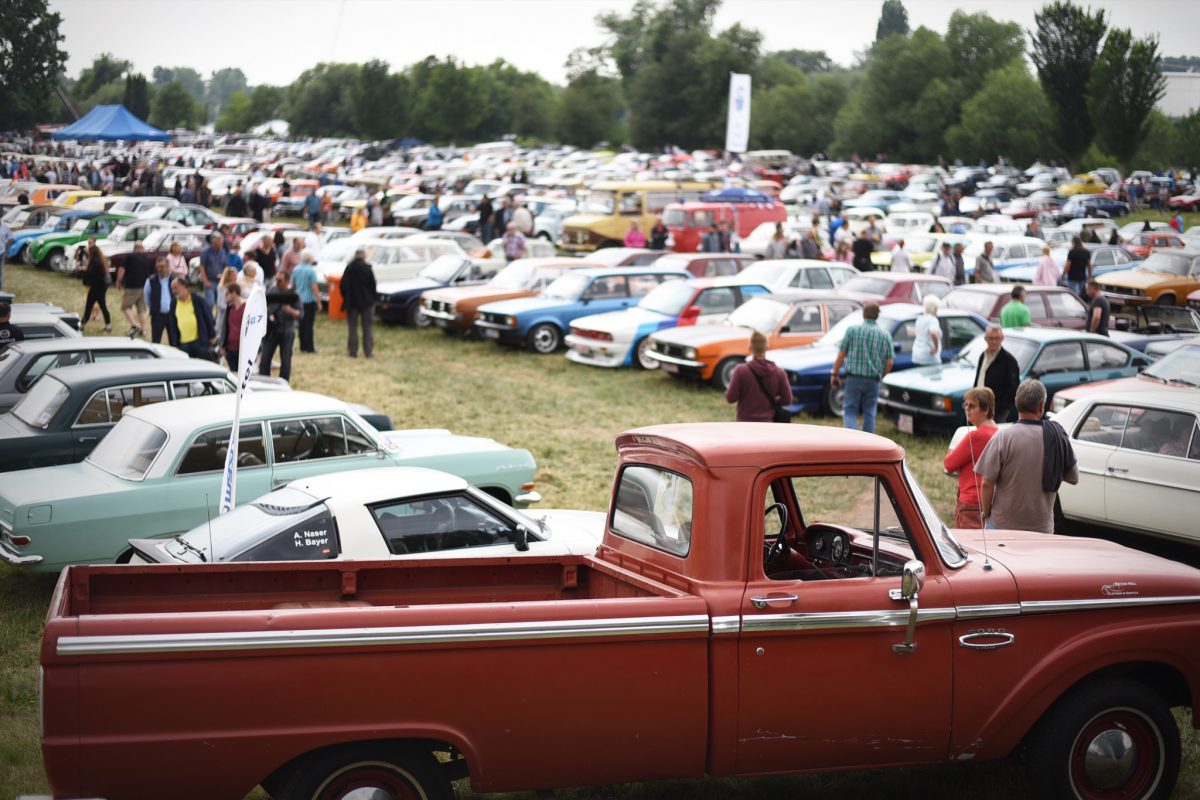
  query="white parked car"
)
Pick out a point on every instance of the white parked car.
point(377, 514)
point(136, 205)
point(120, 239)
point(859, 219)
point(1139, 460)
point(798, 273)
point(993, 224)
point(900, 223)
point(755, 243)
point(395, 259)
point(621, 338)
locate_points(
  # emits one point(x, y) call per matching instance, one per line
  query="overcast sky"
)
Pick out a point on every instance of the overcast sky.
point(273, 41)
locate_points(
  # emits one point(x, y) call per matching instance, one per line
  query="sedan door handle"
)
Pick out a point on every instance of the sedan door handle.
point(1121, 470)
point(277, 482)
point(763, 602)
point(86, 439)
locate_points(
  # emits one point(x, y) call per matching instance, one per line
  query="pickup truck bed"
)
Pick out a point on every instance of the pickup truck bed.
point(272, 640)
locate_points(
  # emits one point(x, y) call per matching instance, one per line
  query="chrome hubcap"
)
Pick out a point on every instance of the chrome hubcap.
point(369, 793)
point(1110, 759)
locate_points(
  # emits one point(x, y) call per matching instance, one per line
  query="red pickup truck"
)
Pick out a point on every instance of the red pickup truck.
point(767, 599)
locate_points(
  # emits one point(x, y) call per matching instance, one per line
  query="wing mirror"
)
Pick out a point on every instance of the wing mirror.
point(522, 542)
point(911, 584)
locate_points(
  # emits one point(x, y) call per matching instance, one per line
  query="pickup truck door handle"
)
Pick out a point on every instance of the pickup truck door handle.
point(1121, 470)
point(763, 602)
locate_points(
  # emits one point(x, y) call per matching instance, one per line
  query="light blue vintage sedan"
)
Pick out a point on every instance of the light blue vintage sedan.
point(158, 472)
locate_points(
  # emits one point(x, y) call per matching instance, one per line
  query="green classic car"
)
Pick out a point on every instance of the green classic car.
point(50, 250)
point(158, 472)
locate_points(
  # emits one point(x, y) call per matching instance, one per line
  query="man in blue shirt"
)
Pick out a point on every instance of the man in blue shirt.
point(161, 303)
point(304, 276)
point(312, 209)
point(213, 261)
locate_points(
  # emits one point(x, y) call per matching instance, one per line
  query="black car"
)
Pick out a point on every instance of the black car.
point(70, 409)
point(400, 301)
point(21, 364)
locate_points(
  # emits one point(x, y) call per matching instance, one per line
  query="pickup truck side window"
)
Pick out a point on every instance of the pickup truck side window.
point(434, 524)
point(654, 508)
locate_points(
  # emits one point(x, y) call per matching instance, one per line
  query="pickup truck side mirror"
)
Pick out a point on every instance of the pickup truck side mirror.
point(911, 584)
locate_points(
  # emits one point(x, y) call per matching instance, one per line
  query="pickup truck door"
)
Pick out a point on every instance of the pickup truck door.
point(821, 683)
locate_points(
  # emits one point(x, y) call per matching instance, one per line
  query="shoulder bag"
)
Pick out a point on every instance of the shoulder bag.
point(781, 413)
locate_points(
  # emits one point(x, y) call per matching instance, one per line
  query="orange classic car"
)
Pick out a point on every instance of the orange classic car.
point(454, 308)
point(1167, 277)
point(712, 352)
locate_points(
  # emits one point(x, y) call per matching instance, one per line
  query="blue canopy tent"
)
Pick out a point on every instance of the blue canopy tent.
point(110, 124)
point(737, 194)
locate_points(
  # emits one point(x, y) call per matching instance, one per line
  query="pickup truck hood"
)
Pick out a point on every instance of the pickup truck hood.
point(407, 286)
point(814, 358)
point(1065, 568)
point(626, 321)
point(53, 484)
point(940, 378)
point(436, 442)
point(524, 305)
point(701, 335)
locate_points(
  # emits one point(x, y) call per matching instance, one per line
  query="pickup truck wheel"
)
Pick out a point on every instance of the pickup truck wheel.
point(639, 355)
point(832, 400)
point(376, 772)
point(545, 338)
point(723, 374)
point(1111, 739)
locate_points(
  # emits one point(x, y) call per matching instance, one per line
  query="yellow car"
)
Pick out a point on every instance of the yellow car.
point(1166, 277)
point(1082, 184)
point(921, 247)
point(73, 197)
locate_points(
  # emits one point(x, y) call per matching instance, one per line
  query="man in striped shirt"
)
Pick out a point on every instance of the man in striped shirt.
point(866, 351)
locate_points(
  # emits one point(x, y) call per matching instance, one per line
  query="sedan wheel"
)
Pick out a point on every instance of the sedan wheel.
point(58, 261)
point(641, 359)
point(416, 316)
point(723, 374)
point(833, 399)
point(544, 338)
point(25, 255)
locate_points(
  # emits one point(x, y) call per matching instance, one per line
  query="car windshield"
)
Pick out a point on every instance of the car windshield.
point(17, 217)
point(238, 531)
point(980, 303)
point(951, 551)
point(1181, 366)
point(867, 285)
point(339, 249)
point(566, 287)
point(129, 449)
point(1166, 262)
point(42, 402)
point(443, 268)
point(118, 233)
point(759, 313)
point(1023, 350)
point(765, 272)
point(515, 276)
point(80, 225)
point(157, 240)
point(599, 203)
point(838, 332)
point(668, 298)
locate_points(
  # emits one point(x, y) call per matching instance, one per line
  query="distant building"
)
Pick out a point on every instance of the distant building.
point(1183, 94)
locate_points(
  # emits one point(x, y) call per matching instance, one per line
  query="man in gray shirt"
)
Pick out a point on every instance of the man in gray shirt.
point(1023, 466)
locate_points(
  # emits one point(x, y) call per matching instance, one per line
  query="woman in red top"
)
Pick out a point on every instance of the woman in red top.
point(980, 406)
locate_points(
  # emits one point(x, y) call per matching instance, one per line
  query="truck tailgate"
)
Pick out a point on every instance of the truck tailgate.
point(209, 678)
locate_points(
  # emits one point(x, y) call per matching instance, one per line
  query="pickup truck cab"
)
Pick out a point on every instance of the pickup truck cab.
point(766, 599)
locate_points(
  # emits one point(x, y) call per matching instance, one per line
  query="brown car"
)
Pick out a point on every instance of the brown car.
point(454, 308)
point(1049, 306)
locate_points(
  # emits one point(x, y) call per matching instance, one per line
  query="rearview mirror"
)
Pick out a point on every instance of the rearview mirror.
point(913, 580)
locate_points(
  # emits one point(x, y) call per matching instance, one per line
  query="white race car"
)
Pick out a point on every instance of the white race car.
point(377, 514)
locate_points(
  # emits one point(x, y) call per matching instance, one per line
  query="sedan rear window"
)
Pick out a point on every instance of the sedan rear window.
point(129, 449)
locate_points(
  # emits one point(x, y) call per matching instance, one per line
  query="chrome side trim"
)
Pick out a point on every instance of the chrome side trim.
point(1052, 606)
point(987, 640)
point(979, 612)
point(842, 619)
point(375, 637)
point(726, 626)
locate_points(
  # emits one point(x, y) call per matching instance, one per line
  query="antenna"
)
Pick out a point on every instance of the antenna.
point(987, 562)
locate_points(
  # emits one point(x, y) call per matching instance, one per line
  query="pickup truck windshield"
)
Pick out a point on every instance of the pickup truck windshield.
point(952, 553)
point(129, 449)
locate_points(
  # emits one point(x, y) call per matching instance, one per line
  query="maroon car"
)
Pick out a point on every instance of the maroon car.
point(706, 265)
point(1049, 306)
point(894, 287)
point(158, 244)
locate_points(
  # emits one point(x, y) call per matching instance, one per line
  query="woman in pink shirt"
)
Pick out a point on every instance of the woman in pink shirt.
point(634, 236)
point(1047, 271)
point(176, 262)
point(979, 405)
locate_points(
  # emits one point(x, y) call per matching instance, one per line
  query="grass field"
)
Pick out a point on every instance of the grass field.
point(567, 416)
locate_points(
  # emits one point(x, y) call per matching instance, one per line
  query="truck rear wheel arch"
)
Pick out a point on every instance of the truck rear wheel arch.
point(410, 763)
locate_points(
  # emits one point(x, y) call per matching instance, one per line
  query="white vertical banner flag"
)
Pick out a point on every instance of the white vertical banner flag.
point(737, 126)
point(254, 327)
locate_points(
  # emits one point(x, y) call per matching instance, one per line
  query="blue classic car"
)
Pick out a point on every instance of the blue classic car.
point(60, 222)
point(1105, 258)
point(808, 368)
point(541, 322)
point(932, 397)
point(400, 301)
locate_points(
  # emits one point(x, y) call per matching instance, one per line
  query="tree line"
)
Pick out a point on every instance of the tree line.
point(1071, 89)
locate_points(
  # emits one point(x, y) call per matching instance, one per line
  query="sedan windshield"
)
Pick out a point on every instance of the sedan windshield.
point(566, 287)
point(443, 268)
point(867, 285)
point(1023, 350)
point(41, 404)
point(1166, 262)
point(80, 225)
point(1181, 366)
point(668, 298)
point(759, 313)
point(129, 449)
point(513, 277)
point(980, 303)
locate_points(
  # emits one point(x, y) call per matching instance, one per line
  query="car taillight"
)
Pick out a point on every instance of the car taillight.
point(20, 541)
point(689, 315)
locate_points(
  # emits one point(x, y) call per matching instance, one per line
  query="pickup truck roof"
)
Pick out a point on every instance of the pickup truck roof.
point(762, 444)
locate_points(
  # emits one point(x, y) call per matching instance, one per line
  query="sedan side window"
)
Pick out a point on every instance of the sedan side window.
point(959, 331)
point(200, 388)
point(1103, 259)
point(434, 524)
point(208, 450)
point(905, 335)
point(1162, 432)
point(1061, 357)
point(720, 300)
point(311, 439)
point(134, 396)
point(805, 319)
point(818, 279)
point(95, 410)
point(1064, 305)
point(44, 363)
point(1105, 356)
point(606, 289)
point(1103, 425)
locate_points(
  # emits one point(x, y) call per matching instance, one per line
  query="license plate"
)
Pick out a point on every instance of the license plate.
point(490, 333)
point(671, 368)
point(584, 351)
point(905, 423)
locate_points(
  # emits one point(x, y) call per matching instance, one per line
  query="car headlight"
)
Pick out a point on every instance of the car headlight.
point(689, 353)
point(510, 322)
point(942, 403)
point(885, 392)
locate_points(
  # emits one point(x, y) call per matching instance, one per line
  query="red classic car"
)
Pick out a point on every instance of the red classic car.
point(843, 627)
point(1143, 244)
